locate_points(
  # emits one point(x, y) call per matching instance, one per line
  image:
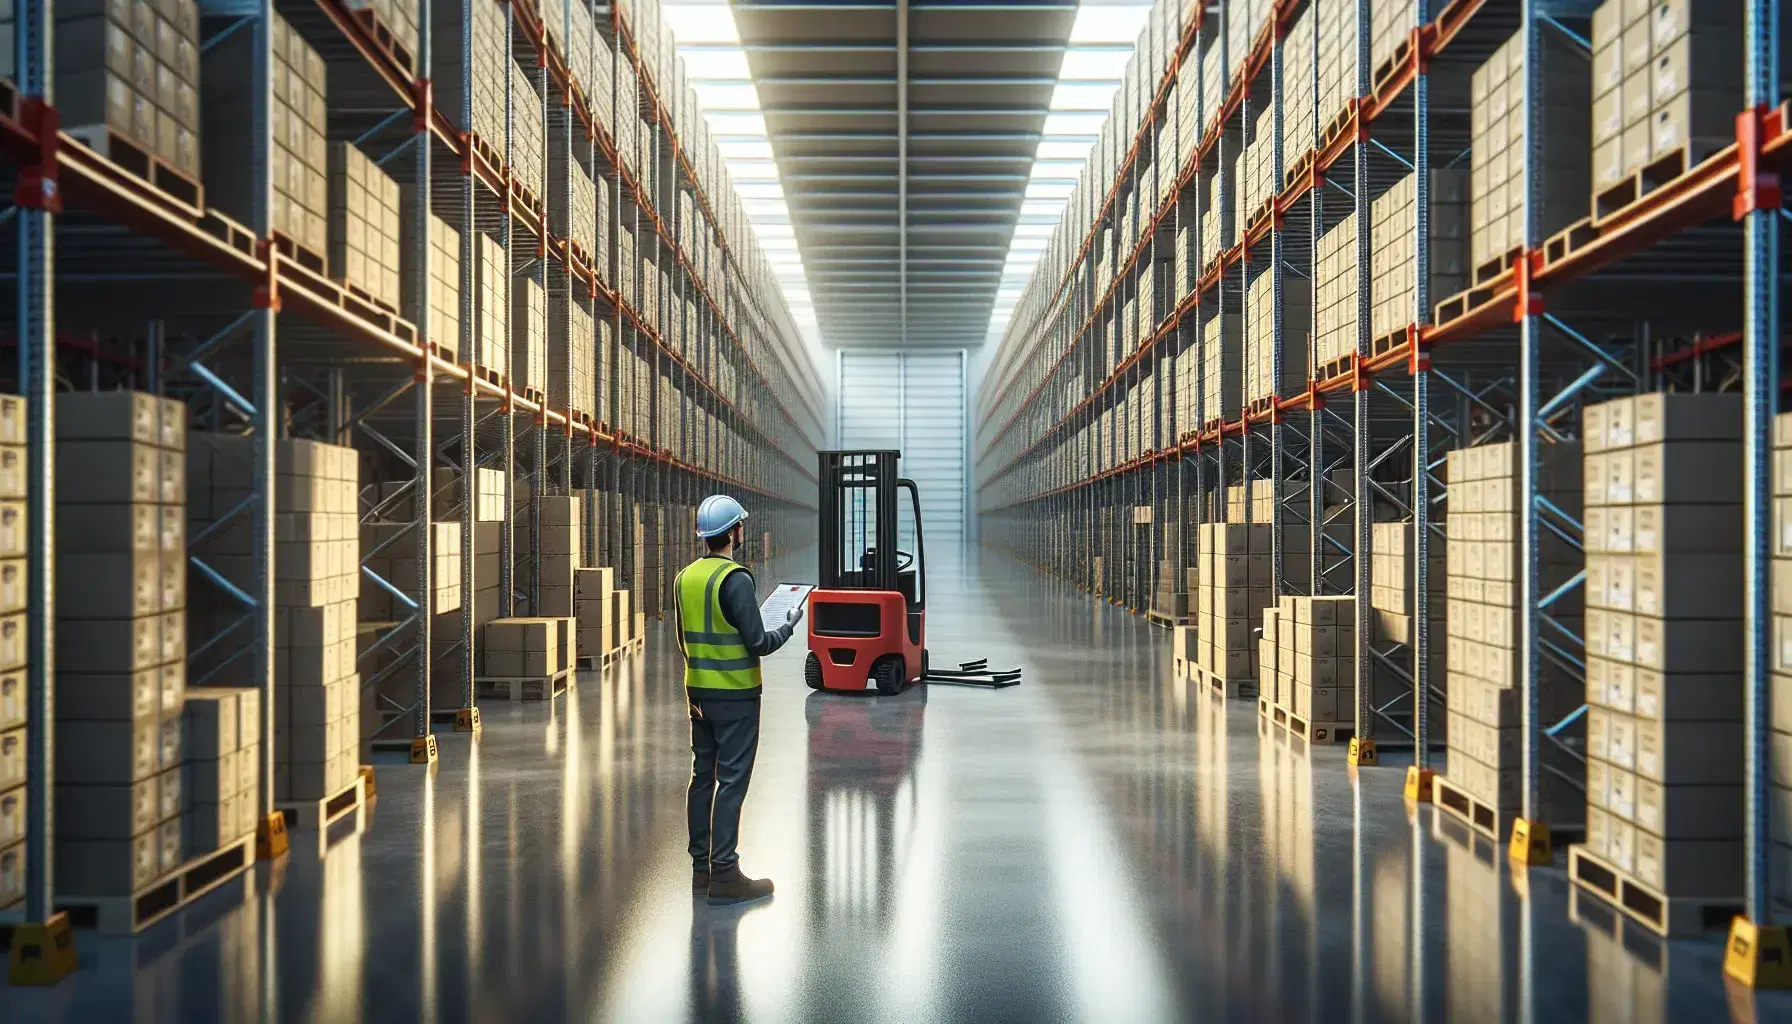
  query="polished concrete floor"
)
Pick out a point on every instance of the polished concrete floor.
point(1094, 844)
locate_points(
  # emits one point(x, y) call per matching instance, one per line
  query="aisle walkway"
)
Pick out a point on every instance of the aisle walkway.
point(1092, 845)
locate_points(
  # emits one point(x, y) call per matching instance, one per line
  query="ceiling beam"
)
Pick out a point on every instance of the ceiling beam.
point(902, 151)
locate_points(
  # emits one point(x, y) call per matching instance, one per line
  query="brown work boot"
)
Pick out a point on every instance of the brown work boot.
point(731, 886)
point(699, 882)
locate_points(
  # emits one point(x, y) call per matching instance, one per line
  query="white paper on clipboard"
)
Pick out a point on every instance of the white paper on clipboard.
point(785, 597)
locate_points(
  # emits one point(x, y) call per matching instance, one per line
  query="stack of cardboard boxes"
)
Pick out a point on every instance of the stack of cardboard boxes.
point(1300, 97)
point(1259, 167)
point(399, 18)
point(572, 354)
point(1779, 791)
point(470, 79)
point(559, 548)
point(127, 80)
point(572, 202)
point(1335, 275)
point(491, 335)
point(364, 229)
point(1391, 24)
point(1483, 652)
point(1497, 122)
point(1236, 583)
point(1665, 90)
point(443, 321)
point(223, 765)
point(121, 632)
point(299, 157)
point(1664, 641)
point(528, 154)
point(1261, 379)
point(524, 650)
point(594, 609)
point(1393, 260)
point(1307, 657)
point(1392, 591)
point(1222, 390)
point(529, 338)
point(1337, 59)
point(14, 709)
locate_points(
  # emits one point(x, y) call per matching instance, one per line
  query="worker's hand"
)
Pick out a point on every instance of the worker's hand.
point(794, 616)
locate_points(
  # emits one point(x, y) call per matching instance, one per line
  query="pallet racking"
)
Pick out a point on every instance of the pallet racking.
point(1592, 308)
point(212, 306)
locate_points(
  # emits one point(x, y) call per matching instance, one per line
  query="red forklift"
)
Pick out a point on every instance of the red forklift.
point(868, 612)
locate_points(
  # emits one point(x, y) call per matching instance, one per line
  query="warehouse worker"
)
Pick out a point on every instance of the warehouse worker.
point(722, 637)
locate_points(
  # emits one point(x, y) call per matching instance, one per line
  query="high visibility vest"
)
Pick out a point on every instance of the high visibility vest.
point(715, 655)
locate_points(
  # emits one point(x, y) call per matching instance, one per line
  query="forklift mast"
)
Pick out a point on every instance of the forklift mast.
point(858, 521)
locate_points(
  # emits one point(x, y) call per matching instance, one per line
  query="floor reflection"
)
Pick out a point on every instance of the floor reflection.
point(1100, 843)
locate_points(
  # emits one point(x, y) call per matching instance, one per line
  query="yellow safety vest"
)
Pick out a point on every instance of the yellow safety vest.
point(715, 655)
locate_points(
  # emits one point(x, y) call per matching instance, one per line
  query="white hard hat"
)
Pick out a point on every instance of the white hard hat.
point(718, 514)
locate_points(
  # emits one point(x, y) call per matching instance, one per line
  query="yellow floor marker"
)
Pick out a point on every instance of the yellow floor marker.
point(423, 750)
point(42, 954)
point(467, 720)
point(1758, 955)
point(1530, 843)
point(1418, 784)
point(270, 837)
point(1362, 752)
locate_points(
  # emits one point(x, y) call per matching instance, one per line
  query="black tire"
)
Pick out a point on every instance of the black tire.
point(887, 674)
point(812, 671)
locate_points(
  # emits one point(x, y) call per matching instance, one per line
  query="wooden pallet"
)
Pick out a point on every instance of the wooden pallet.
point(1228, 688)
point(1462, 304)
point(1157, 618)
point(1312, 731)
point(1493, 268)
point(1258, 406)
point(1616, 199)
point(300, 255)
point(1388, 342)
point(1336, 126)
point(1569, 240)
point(321, 814)
point(304, 271)
point(1334, 369)
point(522, 687)
point(1387, 69)
point(383, 39)
point(1298, 172)
point(128, 915)
point(491, 376)
point(368, 297)
point(535, 395)
point(1670, 917)
point(485, 152)
point(1484, 818)
point(137, 160)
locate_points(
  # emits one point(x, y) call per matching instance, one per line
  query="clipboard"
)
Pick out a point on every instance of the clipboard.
point(784, 597)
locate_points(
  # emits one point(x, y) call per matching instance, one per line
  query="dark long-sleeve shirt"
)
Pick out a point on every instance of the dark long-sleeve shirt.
point(739, 598)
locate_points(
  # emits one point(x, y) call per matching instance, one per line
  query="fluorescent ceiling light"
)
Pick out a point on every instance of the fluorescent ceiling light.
point(1083, 96)
point(1049, 189)
point(1056, 170)
point(1041, 207)
point(739, 123)
point(744, 149)
point(767, 231)
point(1031, 231)
point(731, 95)
point(759, 189)
point(716, 63)
point(752, 170)
point(757, 208)
point(1065, 149)
point(701, 23)
point(1081, 123)
point(1093, 63)
point(1108, 23)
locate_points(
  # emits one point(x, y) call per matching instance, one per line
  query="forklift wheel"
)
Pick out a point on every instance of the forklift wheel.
point(888, 673)
point(812, 671)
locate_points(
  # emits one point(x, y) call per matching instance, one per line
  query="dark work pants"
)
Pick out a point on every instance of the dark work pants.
point(724, 740)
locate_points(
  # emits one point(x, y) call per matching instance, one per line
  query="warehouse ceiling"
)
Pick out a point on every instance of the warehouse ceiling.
point(905, 160)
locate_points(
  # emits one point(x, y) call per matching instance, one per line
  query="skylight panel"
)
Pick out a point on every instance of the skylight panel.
point(1107, 63)
point(1109, 23)
point(1073, 96)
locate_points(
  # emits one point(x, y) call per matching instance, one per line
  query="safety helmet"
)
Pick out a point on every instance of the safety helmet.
point(718, 514)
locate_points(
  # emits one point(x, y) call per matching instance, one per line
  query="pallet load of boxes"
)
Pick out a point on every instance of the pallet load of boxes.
point(1664, 592)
